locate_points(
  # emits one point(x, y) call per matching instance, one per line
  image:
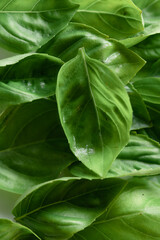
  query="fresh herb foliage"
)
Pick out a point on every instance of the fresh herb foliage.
point(79, 119)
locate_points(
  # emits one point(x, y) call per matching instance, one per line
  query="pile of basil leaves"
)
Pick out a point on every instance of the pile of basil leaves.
point(80, 119)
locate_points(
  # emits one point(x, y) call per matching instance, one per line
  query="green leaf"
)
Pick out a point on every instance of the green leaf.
point(27, 25)
point(121, 60)
point(60, 208)
point(141, 117)
point(147, 83)
point(154, 110)
point(141, 157)
point(33, 147)
point(151, 18)
point(134, 215)
point(149, 49)
point(118, 19)
point(94, 110)
point(27, 77)
point(14, 231)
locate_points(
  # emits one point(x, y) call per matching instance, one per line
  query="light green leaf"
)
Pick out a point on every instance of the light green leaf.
point(14, 231)
point(33, 147)
point(121, 60)
point(134, 215)
point(141, 157)
point(27, 77)
point(60, 208)
point(118, 19)
point(27, 25)
point(95, 112)
point(151, 17)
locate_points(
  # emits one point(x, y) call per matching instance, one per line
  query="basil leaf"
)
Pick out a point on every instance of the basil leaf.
point(37, 79)
point(27, 25)
point(151, 17)
point(141, 117)
point(141, 157)
point(119, 20)
point(10, 231)
point(135, 213)
point(149, 49)
point(147, 83)
point(62, 207)
point(33, 147)
point(94, 110)
point(121, 60)
point(154, 110)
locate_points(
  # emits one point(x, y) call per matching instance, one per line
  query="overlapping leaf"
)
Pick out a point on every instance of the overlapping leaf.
point(141, 117)
point(151, 32)
point(33, 147)
point(141, 157)
point(94, 110)
point(10, 231)
point(27, 77)
point(65, 45)
point(147, 83)
point(118, 19)
point(27, 25)
point(58, 209)
point(135, 213)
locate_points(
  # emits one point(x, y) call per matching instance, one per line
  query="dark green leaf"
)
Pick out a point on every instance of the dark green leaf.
point(94, 110)
point(118, 19)
point(14, 231)
point(65, 45)
point(60, 208)
point(27, 25)
point(33, 147)
point(147, 83)
point(27, 77)
point(141, 117)
point(139, 158)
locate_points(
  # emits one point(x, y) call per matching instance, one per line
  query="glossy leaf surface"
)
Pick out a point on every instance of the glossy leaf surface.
point(94, 110)
point(27, 25)
point(135, 213)
point(33, 147)
point(151, 18)
point(27, 77)
point(10, 231)
point(60, 208)
point(121, 60)
point(118, 19)
point(141, 157)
